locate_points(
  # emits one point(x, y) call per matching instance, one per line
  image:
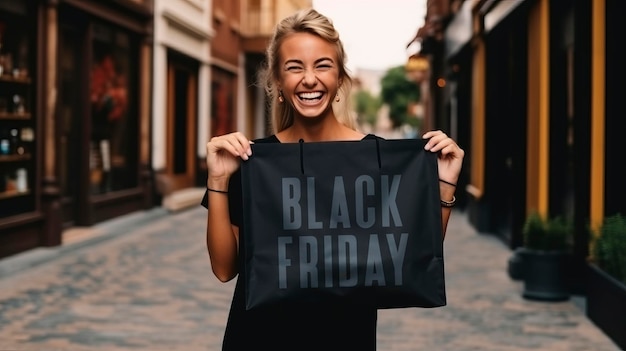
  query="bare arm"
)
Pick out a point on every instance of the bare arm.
point(449, 162)
point(222, 238)
point(446, 192)
point(224, 154)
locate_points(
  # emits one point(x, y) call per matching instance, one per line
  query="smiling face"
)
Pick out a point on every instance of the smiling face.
point(309, 74)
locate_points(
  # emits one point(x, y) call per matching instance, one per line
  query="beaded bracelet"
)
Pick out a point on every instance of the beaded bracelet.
point(445, 203)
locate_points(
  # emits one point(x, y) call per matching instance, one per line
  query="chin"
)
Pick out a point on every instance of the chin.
point(313, 115)
point(313, 112)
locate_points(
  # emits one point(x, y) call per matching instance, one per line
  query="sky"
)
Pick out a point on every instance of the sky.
point(374, 33)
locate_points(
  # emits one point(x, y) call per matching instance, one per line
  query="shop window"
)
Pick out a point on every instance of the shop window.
point(17, 110)
point(114, 145)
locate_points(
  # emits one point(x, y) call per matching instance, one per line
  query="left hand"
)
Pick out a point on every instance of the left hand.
point(450, 155)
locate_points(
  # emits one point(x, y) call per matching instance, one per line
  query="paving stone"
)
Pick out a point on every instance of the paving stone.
point(144, 282)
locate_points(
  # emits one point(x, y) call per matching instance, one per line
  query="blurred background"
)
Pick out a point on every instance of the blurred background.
point(106, 107)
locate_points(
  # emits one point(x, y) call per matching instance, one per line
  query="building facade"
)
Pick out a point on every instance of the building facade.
point(74, 105)
point(106, 106)
point(530, 88)
point(529, 94)
point(183, 33)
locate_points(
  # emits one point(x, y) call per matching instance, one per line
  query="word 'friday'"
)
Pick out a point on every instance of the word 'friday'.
point(349, 270)
point(364, 186)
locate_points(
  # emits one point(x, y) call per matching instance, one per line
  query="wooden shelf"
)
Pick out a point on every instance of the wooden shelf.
point(8, 115)
point(13, 158)
point(11, 79)
point(13, 193)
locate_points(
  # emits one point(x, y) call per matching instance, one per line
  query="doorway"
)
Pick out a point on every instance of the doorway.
point(182, 95)
point(506, 127)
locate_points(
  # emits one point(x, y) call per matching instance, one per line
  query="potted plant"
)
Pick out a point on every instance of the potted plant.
point(545, 257)
point(606, 283)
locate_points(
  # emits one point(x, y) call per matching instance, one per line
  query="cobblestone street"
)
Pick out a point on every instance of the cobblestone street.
point(144, 283)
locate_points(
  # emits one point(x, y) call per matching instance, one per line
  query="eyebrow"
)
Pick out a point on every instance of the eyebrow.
point(316, 61)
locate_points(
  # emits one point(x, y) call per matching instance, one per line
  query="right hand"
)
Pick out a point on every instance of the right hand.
point(224, 154)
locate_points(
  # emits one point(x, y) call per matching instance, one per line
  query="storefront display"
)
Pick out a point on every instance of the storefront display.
point(17, 120)
point(71, 112)
point(113, 125)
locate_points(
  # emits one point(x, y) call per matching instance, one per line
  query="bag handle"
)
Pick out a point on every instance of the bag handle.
point(301, 141)
point(380, 166)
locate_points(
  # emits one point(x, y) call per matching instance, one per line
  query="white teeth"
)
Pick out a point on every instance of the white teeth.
point(314, 95)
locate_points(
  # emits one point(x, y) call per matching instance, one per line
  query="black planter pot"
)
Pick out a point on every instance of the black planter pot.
point(606, 304)
point(545, 274)
point(515, 265)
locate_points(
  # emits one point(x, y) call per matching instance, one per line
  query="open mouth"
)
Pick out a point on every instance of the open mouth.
point(313, 96)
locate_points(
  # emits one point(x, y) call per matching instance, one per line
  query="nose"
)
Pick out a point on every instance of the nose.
point(309, 78)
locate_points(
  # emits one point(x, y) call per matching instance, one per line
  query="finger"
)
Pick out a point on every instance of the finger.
point(244, 143)
point(450, 148)
point(434, 137)
point(438, 143)
point(431, 133)
point(235, 143)
point(238, 142)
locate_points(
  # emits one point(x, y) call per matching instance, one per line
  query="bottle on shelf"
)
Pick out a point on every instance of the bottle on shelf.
point(10, 186)
point(21, 180)
point(5, 142)
point(18, 104)
point(13, 143)
point(27, 136)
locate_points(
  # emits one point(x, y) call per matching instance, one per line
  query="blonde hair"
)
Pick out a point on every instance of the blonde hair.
point(304, 21)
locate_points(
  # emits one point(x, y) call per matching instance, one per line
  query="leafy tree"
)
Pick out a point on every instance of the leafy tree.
point(399, 93)
point(366, 106)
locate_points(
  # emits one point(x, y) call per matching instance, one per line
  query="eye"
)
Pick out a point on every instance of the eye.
point(294, 69)
point(324, 66)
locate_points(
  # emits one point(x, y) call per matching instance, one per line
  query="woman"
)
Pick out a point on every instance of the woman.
point(308, 84)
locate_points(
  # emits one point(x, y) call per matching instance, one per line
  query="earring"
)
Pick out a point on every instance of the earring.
point(337, 98)
point(280, 96)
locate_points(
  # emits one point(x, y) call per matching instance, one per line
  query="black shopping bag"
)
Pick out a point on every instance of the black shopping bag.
point(355, 220)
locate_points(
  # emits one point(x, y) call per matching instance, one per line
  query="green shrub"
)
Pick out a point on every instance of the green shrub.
point(552, 234)
point(559, 234)
point(534, 230)
point(610, 247)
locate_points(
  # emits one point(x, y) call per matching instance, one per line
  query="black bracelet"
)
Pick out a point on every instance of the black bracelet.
point(448, 203)
point(447, 182)
point(217, 191)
